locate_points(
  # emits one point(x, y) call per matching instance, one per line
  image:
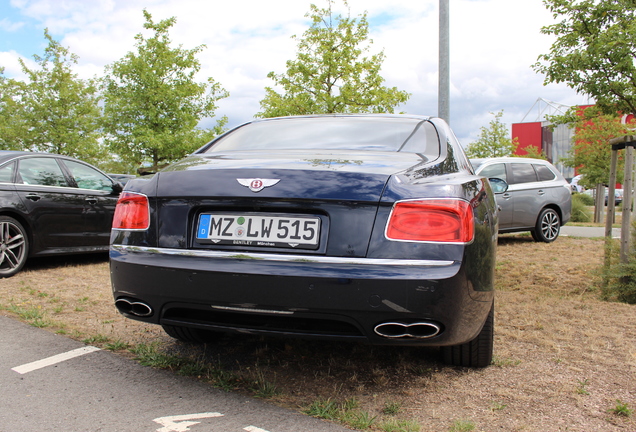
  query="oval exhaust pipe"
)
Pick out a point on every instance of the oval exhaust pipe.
point(417, 330)
point(133, 307)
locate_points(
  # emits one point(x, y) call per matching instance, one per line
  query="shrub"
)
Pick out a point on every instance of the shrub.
point(580, 210)
point(621, 282)
point(619, 279)
point(584, 198)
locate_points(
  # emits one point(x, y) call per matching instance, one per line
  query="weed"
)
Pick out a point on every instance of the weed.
point(391, 408)
point(194, 368)
point(224, 380)
point(347, 412)
point(621, 409)
point(497, 406)
point(263, 388)
point(581, 388)
point(98, 338)
point(358, 419)
point(395, 425)
point(40, 323)
point(323, 408)
point(149, 355)
point(118, 345)
point(33, 315)
point(504, 361)
point(462, 426)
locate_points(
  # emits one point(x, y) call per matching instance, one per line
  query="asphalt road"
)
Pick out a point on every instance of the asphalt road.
point(52, 383)
point(577, 231)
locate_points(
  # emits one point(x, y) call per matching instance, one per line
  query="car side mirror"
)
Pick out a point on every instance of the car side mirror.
point(498, 185)
point(117, 187)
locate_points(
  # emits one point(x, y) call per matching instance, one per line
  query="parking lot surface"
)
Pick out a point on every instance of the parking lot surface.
point(51, 383)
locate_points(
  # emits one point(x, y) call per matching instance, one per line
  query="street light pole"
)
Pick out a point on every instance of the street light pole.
point(443, 94)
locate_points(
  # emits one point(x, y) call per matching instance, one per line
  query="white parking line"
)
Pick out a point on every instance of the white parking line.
point(29, 367)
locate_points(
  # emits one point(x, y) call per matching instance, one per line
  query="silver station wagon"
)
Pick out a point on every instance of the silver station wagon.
point(538, 198)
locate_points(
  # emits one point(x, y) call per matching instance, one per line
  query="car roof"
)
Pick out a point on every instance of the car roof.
point(345, 115)
point(7, 155)
point(478, 162)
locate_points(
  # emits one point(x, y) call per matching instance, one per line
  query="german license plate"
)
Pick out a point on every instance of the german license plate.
point(302, 232)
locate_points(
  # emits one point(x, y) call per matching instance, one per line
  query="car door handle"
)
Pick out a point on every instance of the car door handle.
point(91, 200)
point(33, 197)
point(506, 195)
point(541, 192)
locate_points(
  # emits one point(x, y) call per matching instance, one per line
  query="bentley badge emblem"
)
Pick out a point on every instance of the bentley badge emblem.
point(257, 184)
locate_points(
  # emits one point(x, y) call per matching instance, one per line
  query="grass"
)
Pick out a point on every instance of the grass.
point(346, 412)
point(621, 409)
point(581, 387)
point(462, 426)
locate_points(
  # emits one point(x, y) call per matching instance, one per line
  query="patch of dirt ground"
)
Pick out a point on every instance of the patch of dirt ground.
point(564, 360)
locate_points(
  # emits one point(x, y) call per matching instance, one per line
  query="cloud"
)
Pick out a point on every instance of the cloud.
point(493, 43)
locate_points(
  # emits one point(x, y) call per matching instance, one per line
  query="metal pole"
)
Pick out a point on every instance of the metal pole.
point(443, 94)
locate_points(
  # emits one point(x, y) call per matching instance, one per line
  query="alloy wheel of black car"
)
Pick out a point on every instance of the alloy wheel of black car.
point(191, 335)
point(14, 246)
point(548, 226)
point(477, 352)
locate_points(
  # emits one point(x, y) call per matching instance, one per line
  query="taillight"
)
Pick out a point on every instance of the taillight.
point(431, 220)
point(132, 212)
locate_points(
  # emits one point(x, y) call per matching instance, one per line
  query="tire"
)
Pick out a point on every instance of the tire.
point(477, 352)
point(191, 335)
point(548, 226)
point(14, 246)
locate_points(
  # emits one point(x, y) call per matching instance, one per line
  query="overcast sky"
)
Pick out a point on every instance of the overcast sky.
point(493, 43)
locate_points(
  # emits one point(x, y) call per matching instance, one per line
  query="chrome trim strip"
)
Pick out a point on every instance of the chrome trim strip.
point(319, 259)
point(243, 309)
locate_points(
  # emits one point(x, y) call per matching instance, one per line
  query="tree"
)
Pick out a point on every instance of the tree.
point(11, 120)
point(533, 152)
point(493, 141)
point(153, 103)
point(330, 73)
point(591, 152)
point(53, 110)
point(594, 51)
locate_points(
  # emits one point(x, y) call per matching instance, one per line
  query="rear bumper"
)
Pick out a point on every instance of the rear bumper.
point(304, 296)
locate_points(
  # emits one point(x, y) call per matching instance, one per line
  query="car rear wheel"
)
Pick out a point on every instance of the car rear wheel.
point(477, 352)
point(548, 226)
point(14, 246)
point(191, 335)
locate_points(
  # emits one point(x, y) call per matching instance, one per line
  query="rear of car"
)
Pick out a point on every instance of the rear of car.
point(538, 198)
point(362, 228)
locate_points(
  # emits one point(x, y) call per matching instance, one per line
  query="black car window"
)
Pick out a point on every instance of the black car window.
point(544, 173)
point(522, 173)
point(6, 173)
point(41, 171)
point(334, 133)
point(88, 178)
point(495, 171)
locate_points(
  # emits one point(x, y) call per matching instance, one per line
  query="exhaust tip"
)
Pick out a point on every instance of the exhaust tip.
point(416, 330)
point(133, 307)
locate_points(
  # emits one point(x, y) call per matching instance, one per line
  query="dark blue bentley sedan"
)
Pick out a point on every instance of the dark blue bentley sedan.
point(366, 228)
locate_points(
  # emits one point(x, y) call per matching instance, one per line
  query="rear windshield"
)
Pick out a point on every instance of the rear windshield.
point(334, 133)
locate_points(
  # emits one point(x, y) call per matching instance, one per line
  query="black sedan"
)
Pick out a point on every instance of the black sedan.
point(52, 204)
point(368, 228)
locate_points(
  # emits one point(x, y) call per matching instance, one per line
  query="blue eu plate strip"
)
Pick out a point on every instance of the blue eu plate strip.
point(204, 227)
